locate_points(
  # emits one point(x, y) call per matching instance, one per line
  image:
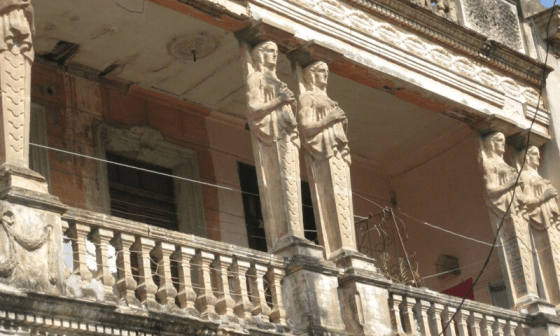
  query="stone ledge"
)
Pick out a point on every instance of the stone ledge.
point(320, 266)
point(51, 313)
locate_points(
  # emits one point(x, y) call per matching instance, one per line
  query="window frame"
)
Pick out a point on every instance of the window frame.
point(152, 148)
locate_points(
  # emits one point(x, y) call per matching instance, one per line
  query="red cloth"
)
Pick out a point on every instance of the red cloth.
point(461, 290)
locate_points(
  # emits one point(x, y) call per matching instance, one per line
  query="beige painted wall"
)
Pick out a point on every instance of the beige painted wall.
point(448, 191)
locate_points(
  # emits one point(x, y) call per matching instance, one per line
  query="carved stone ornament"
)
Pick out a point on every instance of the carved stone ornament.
point(28, 258)
point(515, 240)
point(539, 210)
point(538, 196)
point(16, 56)
point(322, 124)
point(498, 175)
point(271, 110)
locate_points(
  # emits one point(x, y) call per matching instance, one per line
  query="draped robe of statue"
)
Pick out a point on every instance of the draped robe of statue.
point(328, 162)
point(515, 241)
point(539, 210)
point(271, 118)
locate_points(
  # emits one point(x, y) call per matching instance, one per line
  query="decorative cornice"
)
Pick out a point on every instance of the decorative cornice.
point(457, 37)
point(423, 22)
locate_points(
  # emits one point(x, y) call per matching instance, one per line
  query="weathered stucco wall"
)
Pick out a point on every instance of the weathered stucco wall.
point(448, 191)
point(75, 107)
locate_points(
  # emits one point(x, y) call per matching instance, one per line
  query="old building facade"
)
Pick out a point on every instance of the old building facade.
point(267, 167)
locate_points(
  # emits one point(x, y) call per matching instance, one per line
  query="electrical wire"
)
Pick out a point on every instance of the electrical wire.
point(130, 10)
point(447, 231)
point(502, 221)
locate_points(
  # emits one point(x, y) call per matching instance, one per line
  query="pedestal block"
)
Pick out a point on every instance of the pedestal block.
point(364, 297)
point(310, 292)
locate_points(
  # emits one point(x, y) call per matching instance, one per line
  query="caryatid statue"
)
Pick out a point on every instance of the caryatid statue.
point(515, 248)
point(498, 175)
point(16, 57)
point(539, 209)
point(271, 118)
point(322, 124)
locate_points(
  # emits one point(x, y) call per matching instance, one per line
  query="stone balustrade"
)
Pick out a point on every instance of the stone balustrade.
point(138, 266)
point(423, 312)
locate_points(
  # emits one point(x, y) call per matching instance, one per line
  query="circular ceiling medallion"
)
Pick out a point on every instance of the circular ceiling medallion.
point(192, 47)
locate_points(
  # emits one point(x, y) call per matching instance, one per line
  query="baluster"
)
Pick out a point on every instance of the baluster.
point(206, 300)
point(186, 295)
point(225, 303)
point(259, 301)
point(243, 306)
point(408, 316)
point(448, 323)
point(435, 315)
point(78, 233)
point(166, 292)
point(421, 309)
point(486, 325)
point(461, 320)
point(126, 285)
point(101, 238)
point(146, 289)
point(498, 327)
point(510, 328)
point(474, 322)
point(394, 304)
point(275, 276)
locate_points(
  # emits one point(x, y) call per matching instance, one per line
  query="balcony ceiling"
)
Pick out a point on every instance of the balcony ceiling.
point(381, 126)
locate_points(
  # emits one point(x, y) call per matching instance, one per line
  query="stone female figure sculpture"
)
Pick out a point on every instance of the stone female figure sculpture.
point(514, 250)
point(271, 118)
point(539, 209)
point(322, 125)
point(16, 57)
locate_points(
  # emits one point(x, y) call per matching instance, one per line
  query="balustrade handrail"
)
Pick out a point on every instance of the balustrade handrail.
point(454, 302)
point(163, 270)
point(117, 224)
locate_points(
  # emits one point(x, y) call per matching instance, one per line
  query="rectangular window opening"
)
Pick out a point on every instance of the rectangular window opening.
point(140, 195)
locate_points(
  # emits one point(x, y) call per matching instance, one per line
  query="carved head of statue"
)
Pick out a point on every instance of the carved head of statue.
point(316, 74)
point(495, 144)
point(266, 54)
point(533, 157)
